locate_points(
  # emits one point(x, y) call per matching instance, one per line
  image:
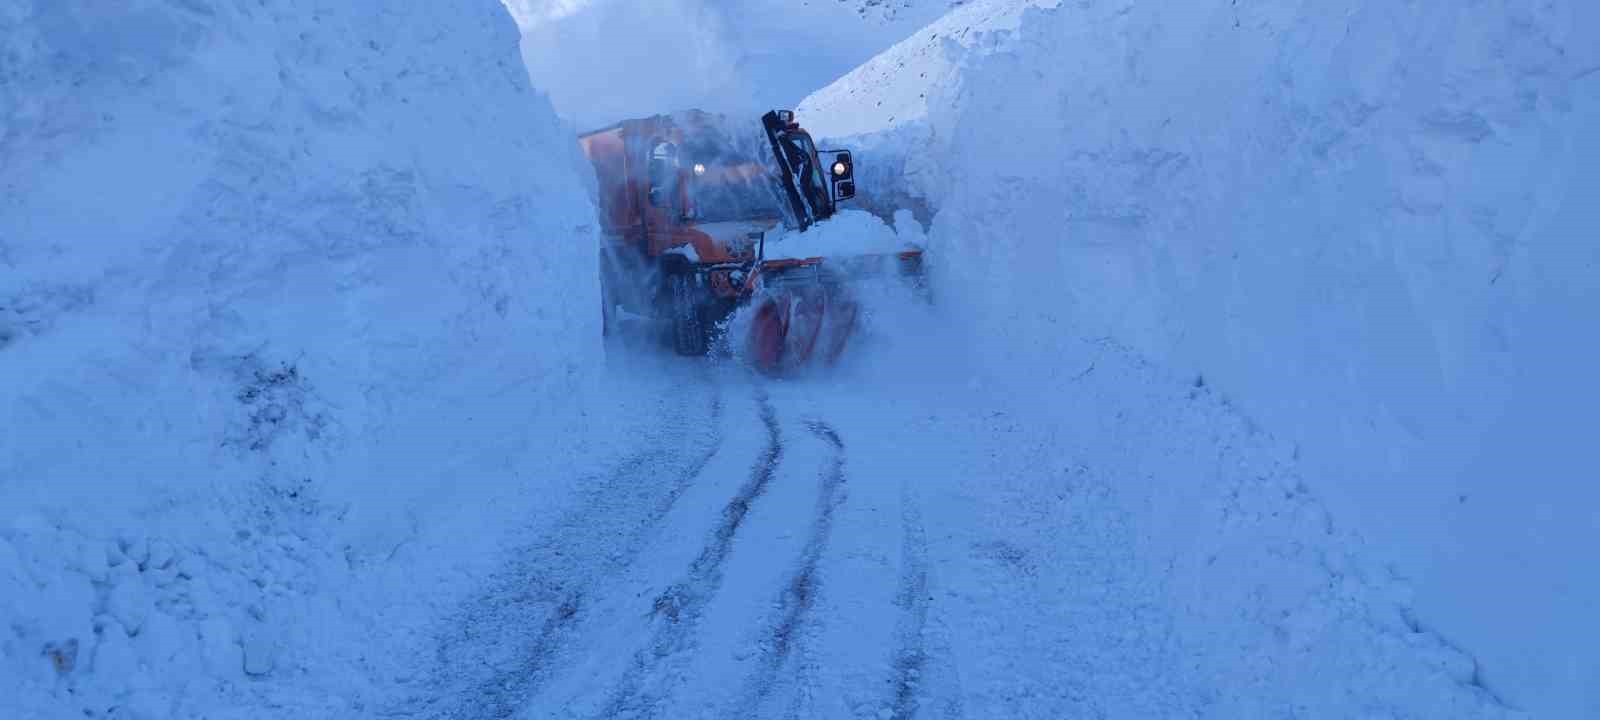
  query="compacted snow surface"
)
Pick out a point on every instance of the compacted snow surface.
point(801, 549)
point(1245, 383)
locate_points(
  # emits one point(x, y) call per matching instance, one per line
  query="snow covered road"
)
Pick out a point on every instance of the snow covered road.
point(1244, 383)
point(843, 549)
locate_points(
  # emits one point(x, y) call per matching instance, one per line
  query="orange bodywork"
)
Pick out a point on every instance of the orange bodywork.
point(620, 154)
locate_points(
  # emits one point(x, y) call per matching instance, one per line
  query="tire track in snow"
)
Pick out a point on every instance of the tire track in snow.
point(677, 610)
point(507, 637)
point(911, 657)
point(794, 605)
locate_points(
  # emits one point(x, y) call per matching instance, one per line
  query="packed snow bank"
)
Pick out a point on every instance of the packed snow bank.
point(1376, 262)
point(606, 60)
point(282, 288)
point(1366, 225)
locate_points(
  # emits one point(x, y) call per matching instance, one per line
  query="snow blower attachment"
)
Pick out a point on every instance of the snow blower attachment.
point(688, 202)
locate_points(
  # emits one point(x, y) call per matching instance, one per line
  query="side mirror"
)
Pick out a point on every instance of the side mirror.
point(841, 174)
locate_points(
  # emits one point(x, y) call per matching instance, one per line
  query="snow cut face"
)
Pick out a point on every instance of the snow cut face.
point(268, 272)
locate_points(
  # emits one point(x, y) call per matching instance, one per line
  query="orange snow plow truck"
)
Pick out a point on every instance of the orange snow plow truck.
point(687, 204)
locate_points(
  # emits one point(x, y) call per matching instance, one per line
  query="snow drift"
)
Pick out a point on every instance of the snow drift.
point(271, 277)
point(1363, 224)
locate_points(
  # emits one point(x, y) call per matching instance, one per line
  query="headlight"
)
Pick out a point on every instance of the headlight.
point(699, 169)
point(839, 169)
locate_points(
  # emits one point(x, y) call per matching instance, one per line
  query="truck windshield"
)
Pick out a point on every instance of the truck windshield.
point(733, 191)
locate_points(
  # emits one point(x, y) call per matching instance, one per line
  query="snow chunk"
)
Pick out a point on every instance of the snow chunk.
point(686, 251)
point(909, 228)
point(260, 652)
point(129, 602)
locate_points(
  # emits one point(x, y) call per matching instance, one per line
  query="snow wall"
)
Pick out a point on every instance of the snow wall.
point(264, 268)
point(1369, 226)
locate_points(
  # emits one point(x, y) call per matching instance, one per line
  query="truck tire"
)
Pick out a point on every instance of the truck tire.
point(689, 336)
